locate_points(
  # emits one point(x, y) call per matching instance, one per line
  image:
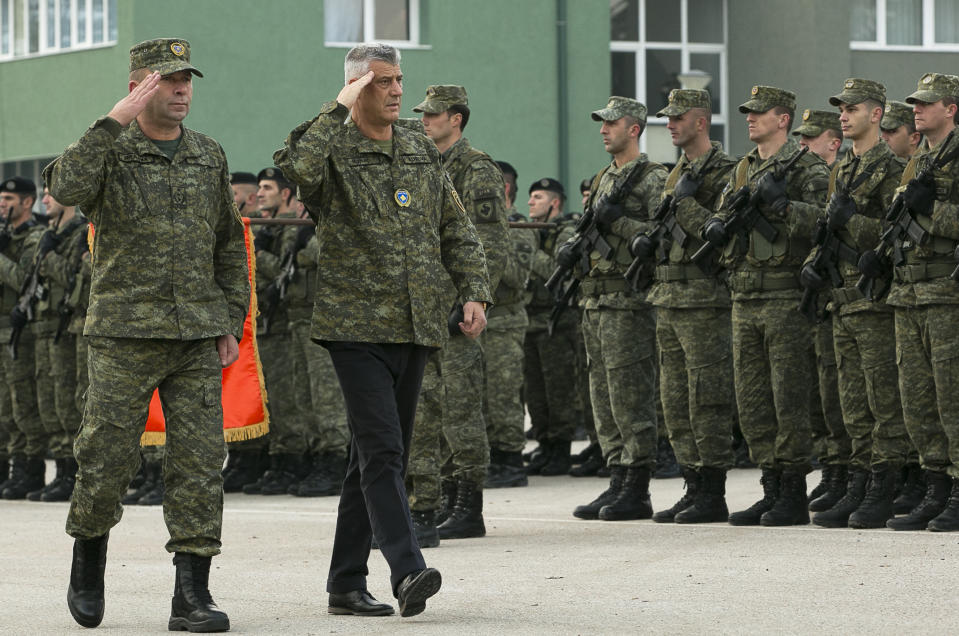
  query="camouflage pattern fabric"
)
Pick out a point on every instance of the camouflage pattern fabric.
point(830, 439)
point(8, 431)
point(125, 372)
point(392, 218)
point(427, 444)
point(318, 393)
point(289, 426)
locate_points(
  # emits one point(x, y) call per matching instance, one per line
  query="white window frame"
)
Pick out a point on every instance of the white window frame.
point(642, 45)
point(369, 25)
point(928, 33)
point(43, 48)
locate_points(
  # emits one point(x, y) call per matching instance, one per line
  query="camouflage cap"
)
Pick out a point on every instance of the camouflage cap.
point(856, 90)
point(163, 55)
point(762, 98)
point(897, 114)
point(618, 107)
point(682, 99)
point(18, 185)
point(440, 98)
point(550, 185)
point(933, 87)
point(816, 122)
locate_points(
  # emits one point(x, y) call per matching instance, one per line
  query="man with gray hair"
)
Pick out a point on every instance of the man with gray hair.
point(383, 203)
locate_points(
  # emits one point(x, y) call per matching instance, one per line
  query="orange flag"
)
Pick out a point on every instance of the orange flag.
point(244, 393)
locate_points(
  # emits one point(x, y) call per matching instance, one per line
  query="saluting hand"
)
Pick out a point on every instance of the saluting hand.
point(474, 319)
point(127, 109)
point(352, 91)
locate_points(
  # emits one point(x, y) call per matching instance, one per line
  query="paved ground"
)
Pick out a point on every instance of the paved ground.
point(539, 571)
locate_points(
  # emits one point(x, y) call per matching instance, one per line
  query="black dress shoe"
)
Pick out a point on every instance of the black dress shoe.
point(358, 603)
point(416, 588)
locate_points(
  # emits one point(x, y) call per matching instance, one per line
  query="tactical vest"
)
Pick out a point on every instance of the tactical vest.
point(705, 195)
point(946, 190)
point(541, 297)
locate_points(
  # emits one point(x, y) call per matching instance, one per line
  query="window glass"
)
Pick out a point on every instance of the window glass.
point(709, 62)
point(342, 21)
point(33, 14)
point(65, 24)
point(904, 22)
point(113, 20)
point(81, 21)
point(51, 24)
point(5, 27)
point(947, 21)
point(391, 20)
point(862, 21)
point(663, 21)
point(624, 20)
point(705, 21)
point(624, 74)
point(662, 67)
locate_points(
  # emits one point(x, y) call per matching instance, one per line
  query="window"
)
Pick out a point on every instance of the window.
point(349, 22)
point(904, 24)
point(659, 45)
point(42, 27)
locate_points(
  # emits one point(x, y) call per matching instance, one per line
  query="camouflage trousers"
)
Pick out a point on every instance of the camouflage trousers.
point(584, 406)
point(830, 441)
point(427, 444)
point(927, 350)
point(6, 423)
point(318, 395)
point(83, 373)
point(289, 428)
point(503, 409)
point(773, 374)
point(695, 362)
point(56, 377)
point(28, 436)
point(865, 345)
point(550, 365)
point(621, 359)
point(123, 375)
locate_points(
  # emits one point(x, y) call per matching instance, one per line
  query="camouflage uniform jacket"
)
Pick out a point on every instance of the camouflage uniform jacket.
point(269, 263)
point(60, 273)
point(764, 270)
point(604, 285)
point(479, 183)
point(542, 264)
point(16, 263)
point(878, 175)
point(169, 258)
point(511, 294)
point(680, 283)
point(302, 288)
point(936, 256)
point(391, 232)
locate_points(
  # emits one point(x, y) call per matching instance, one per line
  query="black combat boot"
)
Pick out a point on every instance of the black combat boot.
point(245, 470)
point(583, 455)
point(912, 489)
point(37, 495)
point(824, 478)
point(466, 519)
point(751, 515)
point(948, 519)
point(666, 465)
point(589, 461)
point(32, 472)
point(834, 477)
point(617, 475)
point(152, 472)
point(559, 461)
point(324, 479)
point(691, 479)
point(447, 500)
point(540, 457)
point(633, 500)
point(283, 471)
point(4, 471)
point(507, 471)
point(424, 527)
point(938, 488)
point(790, 508)
point(709, 505)
point(193, 608)
point(63, 490)
point(838, 515)
point(85, 594)
point(154, 496)
point(876, 507)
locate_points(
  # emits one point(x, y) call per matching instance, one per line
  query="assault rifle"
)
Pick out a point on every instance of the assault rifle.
point(745, 215)
point(65, 307)
point(877, 264)
point(275, 292)
point(31, 291)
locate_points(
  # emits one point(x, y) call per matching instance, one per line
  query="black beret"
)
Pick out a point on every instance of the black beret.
point(20, 185)
point(243, 177)
point(274, 174)
point(549, 184)
point(507, 168)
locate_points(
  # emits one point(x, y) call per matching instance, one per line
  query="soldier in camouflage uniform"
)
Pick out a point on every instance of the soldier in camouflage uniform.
point(58, 255)
point(503, 353)
point(820, 132)
point(550, 360)
point(771, 340)
point(18, 241)
point(289, 424)
point(861, 187)
point(925, 299)
point(898, 128)
point(166, 318)
point(693, 332)
point(392, 233)
point(480, 183)
point(618, 323)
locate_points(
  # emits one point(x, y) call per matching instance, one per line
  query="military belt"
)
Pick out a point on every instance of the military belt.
point(846, 295)
point(915, 272)
point(755, 281)
point(598, 286)
point(678, 272)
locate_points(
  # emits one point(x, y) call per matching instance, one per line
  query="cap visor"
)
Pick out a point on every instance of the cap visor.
point(926, 97)
point(605, 114)
point(753, 106)
point(430, 108)
point(169, 68)
point(671, 111)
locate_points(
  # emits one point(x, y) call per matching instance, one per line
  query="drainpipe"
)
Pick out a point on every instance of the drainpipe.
point(562, 88)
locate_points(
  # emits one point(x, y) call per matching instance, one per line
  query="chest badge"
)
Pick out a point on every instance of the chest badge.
point(402, 198)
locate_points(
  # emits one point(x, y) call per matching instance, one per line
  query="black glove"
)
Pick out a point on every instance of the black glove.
point(454, 319)
point(920, 195)
point(303, 237)
point(773, 192)
point(607, 214)
point(642, 247)
point(841, 208)
point(48, 242)
point(264, 239)
point(5, 238)
point(18, 319)
point(809, 278)
point(687, 186)
point(870, 265)
point(714, 232)
point(568, 255)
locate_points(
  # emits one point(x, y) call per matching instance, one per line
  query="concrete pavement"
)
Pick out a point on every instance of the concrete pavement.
point(538, 571)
